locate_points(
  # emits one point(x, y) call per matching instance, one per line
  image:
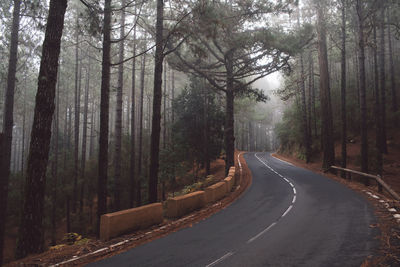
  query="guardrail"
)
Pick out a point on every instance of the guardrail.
point(377, 178)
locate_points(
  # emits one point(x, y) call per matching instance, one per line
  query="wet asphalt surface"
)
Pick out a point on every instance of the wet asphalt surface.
point(289, 216)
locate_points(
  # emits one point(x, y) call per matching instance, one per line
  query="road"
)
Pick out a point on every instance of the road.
point(288, 217)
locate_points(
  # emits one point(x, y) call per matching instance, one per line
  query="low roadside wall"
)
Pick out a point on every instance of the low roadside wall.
point(230, 181)
point(124, 221)
point(121, 222)
point(216, 191)
point(231, 171)
point(181, 205)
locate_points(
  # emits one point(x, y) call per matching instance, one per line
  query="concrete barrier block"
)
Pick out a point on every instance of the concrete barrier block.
point(181, 205)
point(229, 181)
point(231, 171)
point(124, 221)
point(216, 191)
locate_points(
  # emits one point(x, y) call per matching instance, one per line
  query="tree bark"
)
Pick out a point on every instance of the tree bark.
point(313, 97)
point(92, 127)
point(382, 78)
point(31, 234)
point(395, 106)
point(343, 89)
point(104, 117)
point(306, 137)
point(206, 130)
point(140, 156)
point(326, 108)
point(54, 167)
point(309, 105)
point(156, 118)
point(23, 130)
point(363, 99)
point(6, 140)
point(229, 117)
point(132, 194)
point(118, 119)
point(172, 94)
point(77, 114)
point(165, 107)
point(84, 137)
point(377, 107)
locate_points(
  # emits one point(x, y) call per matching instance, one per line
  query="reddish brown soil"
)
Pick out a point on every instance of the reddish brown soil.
point(140, 237)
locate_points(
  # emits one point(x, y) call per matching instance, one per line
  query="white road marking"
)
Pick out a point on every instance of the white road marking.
point(227, 255)
point(285, 213)
point(261, 233)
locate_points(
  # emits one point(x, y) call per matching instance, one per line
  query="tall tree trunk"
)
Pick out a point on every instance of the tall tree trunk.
point(84, 137)
point(343, 88)
point(23, 129)
point(132, 193)
point(104, 117)
point(383, 78)
point(326, 108)
point(377, 108)
point(77, 114)
point(165, 107)
point(309, 105)
point(54, 167)
point(363, 98)
point(31, 234)
point(140, 155)
point(206, 130)
point(395, 106)
point(92, 127)
point(313, 97)
point(6, 140)
point(156, 117)
point(306, 137)
point(164, 123)
point(118, 119)
point(66, 136)
point(69, 134)
point(229, 116)
point(172, 94)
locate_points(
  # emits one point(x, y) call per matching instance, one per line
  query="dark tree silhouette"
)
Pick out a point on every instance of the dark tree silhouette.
point(31, 232)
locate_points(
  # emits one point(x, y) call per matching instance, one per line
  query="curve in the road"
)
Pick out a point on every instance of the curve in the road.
point(286, 211)
point(288, 217)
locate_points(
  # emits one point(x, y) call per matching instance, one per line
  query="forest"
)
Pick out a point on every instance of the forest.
point(114, 104)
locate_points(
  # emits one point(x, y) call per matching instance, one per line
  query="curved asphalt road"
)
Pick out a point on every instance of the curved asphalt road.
point(288, 217)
